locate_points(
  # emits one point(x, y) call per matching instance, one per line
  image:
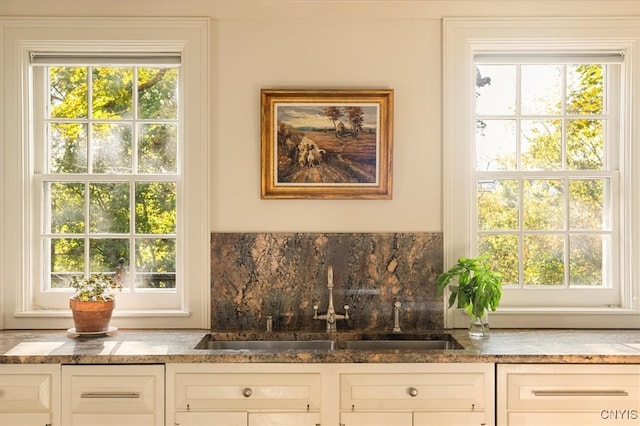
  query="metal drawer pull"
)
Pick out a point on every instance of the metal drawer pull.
point(247, 392)
point(580, 393)
point(413, 391)
point(110, 395)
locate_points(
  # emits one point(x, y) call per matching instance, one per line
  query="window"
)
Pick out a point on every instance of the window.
point(546, 186)
point(110, 158)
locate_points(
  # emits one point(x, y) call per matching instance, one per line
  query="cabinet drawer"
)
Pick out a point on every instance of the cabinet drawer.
point(569, 387)
point(428, 391)
point(25, 392)
point(127, 389)
point(245, 391)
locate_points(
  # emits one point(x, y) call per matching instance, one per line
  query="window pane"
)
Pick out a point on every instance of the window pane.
point(541, 144)
point(587, 205)
point(585, 87)
point(158, 93)
point(67, 259)
point(109, 207)
point(502, 251)
point(66, 207)
point(67, 148)
point(68, 92)
point(495, 89)
point(155, 263)
point(585, 145)
point(157, 148)
point(586, 260)
point(543, 260)
point(105, 253)
point(498, 204)
point(112, 92)
point(496, 145)
point(111, 148)
point(541, 87)
point(156, 208)
point(543, 202)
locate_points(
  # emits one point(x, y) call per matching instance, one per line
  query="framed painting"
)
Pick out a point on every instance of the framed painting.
point(326, 144)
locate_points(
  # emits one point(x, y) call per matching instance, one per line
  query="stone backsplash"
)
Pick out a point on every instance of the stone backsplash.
point(254, 275)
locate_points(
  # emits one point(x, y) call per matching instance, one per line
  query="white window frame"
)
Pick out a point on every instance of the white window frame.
point(18, 37)
point(463, 39)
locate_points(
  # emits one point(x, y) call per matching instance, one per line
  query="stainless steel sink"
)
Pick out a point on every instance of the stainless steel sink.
point(403, 341)
point(266, 345)
point(415, 345)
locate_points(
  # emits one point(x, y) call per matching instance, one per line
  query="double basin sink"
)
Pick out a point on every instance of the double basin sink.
point(416, 342)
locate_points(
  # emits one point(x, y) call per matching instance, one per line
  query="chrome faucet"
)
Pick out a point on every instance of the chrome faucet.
point(331, 315)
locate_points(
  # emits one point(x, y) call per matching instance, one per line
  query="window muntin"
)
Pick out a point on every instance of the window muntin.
point(109, 179)
point(546, 172)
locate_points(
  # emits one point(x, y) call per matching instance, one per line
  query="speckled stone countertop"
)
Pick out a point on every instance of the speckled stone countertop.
point(178, 346)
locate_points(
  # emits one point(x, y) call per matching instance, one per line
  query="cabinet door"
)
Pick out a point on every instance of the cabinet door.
point(565, 419)
point(209, 418)
point(451, 419)
point(376, 419)
point(284, 419)
point(25, 419)
point(29, 394)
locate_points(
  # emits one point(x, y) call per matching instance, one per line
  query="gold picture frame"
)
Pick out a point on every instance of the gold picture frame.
point(326, 144)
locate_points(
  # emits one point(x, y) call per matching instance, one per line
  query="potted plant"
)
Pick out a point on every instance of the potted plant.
point(93, 302)
point(478, 289)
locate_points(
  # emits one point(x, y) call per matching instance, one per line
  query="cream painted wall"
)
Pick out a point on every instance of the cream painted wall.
point(324, 44)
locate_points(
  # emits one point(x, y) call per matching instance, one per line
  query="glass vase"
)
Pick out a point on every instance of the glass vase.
point(479, 327)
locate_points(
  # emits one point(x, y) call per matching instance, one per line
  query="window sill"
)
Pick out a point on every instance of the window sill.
point(539, 317)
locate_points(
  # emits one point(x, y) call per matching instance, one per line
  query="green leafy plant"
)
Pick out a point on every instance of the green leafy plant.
point(96, 287)
point(478, 288)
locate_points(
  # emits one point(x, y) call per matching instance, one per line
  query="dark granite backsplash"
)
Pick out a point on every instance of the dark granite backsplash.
point(254, 275)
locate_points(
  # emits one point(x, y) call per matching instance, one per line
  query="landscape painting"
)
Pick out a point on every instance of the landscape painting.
point(326, 144)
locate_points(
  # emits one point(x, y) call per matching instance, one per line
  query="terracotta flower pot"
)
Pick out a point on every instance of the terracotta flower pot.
point(91, 317)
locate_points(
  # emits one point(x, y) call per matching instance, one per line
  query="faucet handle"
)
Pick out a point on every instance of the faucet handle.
point(315, 311)
point(346, 311)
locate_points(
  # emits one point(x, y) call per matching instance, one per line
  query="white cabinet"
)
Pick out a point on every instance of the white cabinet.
point(241, 395)
point(417, 394)
point(113, 395)
point(580, 395)
point(29, 394)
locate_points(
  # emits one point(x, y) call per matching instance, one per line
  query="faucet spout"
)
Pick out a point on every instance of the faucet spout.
point(331, 316)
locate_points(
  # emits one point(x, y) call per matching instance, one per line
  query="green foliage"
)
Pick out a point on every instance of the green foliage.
point(478, 288)
point(95, 288)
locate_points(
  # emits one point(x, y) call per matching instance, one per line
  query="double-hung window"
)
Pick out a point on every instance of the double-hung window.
point(106, 176)
point(106, 141)
point(543, 129)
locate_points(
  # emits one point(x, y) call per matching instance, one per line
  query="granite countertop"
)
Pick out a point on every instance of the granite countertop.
point(178, 346)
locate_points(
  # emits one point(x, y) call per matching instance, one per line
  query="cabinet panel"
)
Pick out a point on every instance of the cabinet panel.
point(229, 391)
point(29, 394)
point(25, 419)
point(109, 419)
point(25, 392)
point(217, 418)
point(113, 395)
point(568, 394)
point(451, 419)
point(376, 419)
point(284, 419)
point(435, 391)
point(564, 419)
